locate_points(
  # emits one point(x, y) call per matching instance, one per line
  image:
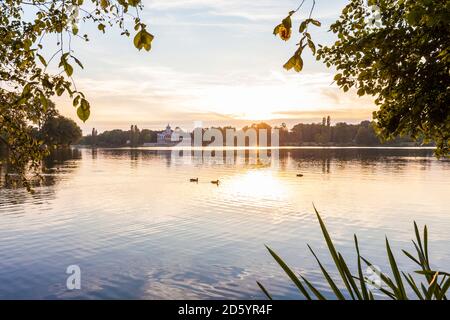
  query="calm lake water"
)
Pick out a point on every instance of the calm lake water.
point(137, 228)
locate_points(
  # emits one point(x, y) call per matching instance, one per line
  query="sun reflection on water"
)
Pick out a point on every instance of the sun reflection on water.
point(257, 184)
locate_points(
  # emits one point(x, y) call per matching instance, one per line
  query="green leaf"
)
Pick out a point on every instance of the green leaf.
point(425, 241)
point(27, 43)
point(68, 69)
point(432, 272)
point(411, 257)
point(143, 39)
point(290, 273)
point(349, 278)
point(362, 282)
point(419, 241)
point(76, 101)
point(295, 62)
point(101, 27)
point(26, 90)
point(312, 46)
point(303, 26)
point(332, 249)
point(415, 15)
point(313, 289)
point(421, 256)
point(276, 30)
point(83, 110)
point(104, 4)
point(41, 58)
point(432, 288)
point(316, 22)
point(287, 22)
point(264, 290)
point(59, 90)
point(413, 285)
point(386, 280)
point(396, 273)
point(43, 101)
point(83, 114)
point(78, 62)
point(330, 281)
point(444, 289)
point(133, 3)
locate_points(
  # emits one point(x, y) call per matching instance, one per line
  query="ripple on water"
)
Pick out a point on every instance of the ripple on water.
point(139, 229)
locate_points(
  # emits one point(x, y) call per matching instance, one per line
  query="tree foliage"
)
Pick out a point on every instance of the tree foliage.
point(60, 131)
point(396, 51)
point(26, 84)
point(120, 138)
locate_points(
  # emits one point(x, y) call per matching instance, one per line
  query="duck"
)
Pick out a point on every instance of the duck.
point(299, 175)
point(216, 182)
point(193, 180)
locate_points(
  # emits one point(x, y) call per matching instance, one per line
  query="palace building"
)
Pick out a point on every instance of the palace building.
point(165, 137)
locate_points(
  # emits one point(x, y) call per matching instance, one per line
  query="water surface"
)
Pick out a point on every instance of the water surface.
point(139, 229)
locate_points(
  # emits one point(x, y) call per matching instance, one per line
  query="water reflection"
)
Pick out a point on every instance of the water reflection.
point(60, 161)
point(324, 156)
point(139, 228)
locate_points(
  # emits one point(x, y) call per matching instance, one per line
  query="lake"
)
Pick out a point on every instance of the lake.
point(139, 229)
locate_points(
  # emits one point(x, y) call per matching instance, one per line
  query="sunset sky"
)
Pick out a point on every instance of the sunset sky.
point(215, 61)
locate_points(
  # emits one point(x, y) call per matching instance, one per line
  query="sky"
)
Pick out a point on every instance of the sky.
point(214, 61)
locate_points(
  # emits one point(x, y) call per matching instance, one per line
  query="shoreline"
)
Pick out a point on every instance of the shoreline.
point(255, 148)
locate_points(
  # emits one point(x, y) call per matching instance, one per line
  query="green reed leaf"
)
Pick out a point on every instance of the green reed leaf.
point(396, 273)
point(264, 291)
point(289, 272)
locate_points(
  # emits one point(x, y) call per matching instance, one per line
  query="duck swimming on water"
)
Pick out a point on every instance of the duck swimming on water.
point(193, 180)
point(216, 182)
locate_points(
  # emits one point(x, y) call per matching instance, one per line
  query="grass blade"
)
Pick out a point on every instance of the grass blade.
point(444, 290)
point(264, 290)
point(425, 243)
point(432, 272)
point(419, 241)
point(362, 282)
point(389, 294)
point(396, 273)
point(424, 290)
point(383, 277)
point(432, 288)
point(313, 289)
point(333, 252)
point(330, 281)
point(350, 277)
point(409, 255)
point(420, 255)
point(413, 285)
point(289, 272)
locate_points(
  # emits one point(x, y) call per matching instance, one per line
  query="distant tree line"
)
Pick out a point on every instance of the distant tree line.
point(59, 131)
point(120, 138)
point(302, 134)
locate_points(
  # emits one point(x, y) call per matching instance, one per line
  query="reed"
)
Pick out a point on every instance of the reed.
point(432, 286)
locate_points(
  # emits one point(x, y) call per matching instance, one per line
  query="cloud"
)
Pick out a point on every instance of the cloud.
point(262, 10)
point(164, 94)
point(339, 114)
point(232, 73)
